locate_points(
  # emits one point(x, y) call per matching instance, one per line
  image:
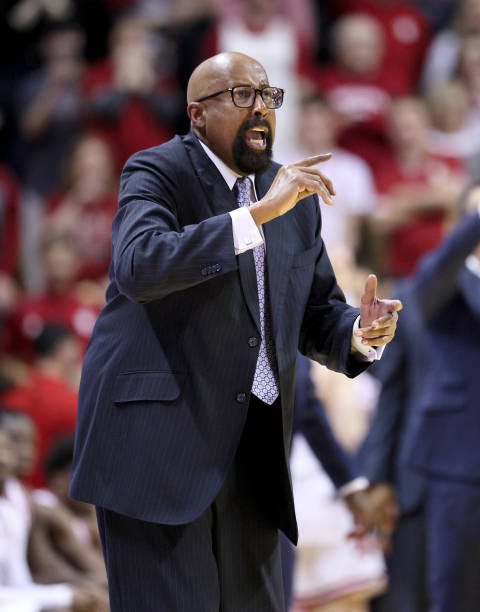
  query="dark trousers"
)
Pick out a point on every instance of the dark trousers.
point(406, 565)
point(453, 536)
point(228, 559)
point(435, 561)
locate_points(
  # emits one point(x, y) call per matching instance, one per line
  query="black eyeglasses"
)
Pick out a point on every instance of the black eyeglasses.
point(244, 96)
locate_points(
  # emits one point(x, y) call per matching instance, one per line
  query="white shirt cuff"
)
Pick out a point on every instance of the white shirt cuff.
point(369, 353)
point(357, 484)
point(246, 234)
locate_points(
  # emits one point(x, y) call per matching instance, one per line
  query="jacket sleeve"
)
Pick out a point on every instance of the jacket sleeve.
point(328, 320)
point(435, 281)
point(152, 254)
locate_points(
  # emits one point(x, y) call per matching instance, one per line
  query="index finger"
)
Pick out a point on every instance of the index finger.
point(370, 292)
point(314, 159)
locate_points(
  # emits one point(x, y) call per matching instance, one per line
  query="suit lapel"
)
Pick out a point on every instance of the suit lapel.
point(222, 200)
point(216, 191)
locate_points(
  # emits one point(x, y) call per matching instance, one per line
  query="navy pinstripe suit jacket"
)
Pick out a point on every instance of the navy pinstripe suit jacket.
point(167, 375)
point(445, 443)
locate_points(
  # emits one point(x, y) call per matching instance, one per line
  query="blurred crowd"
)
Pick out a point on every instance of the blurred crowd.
point(390, 87)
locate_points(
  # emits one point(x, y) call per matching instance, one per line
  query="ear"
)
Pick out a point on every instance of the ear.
point(196, 112)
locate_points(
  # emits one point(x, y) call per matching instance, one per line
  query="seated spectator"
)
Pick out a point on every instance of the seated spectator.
point(17, 588)
point(49, 395)
point(58, 467)
point(85, 206)
point(354, 85)
point(56, 553)
point(180, 28)
point(23, 434)
point(455, 130)
point(317, 130)
point(443, 53)
point(406, 34)
point(63, 301)
point(417, 191)
point(127, 101)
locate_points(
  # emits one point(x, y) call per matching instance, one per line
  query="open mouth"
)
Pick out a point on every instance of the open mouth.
point(256, 138)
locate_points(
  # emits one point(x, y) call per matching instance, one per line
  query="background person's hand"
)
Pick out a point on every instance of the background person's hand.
point(376, 510)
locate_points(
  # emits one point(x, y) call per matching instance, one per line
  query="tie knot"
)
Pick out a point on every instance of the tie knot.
point(243, 187)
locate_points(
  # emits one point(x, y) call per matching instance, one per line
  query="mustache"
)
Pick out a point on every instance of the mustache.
point(253, 123)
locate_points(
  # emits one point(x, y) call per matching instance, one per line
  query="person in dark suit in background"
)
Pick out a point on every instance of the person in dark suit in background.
point(186, 399)
point(422, 440)
point(445, 446)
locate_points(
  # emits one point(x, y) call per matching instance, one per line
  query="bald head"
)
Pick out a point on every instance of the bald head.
point(215, 73)
point(240, 136)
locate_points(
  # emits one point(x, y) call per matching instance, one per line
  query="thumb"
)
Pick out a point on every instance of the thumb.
point(370, 292)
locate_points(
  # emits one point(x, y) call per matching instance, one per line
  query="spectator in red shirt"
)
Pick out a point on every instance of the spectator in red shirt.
point(85, 207)
point(49, 396)
point(455, 124)
point(407, 35)
point(317, 127)
point(354, 85)
point(126, 99)
point(417, 190)
point(62, 301)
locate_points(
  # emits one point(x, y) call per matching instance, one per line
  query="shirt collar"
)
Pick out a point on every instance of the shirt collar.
point(228, 174)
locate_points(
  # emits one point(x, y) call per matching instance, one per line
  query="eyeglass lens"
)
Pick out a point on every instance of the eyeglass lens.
point(245, 96)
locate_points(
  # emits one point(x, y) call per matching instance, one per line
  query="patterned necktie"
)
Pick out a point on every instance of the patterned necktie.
point(265, 381)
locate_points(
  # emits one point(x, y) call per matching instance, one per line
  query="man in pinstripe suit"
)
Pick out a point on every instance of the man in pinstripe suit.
point(187, 466)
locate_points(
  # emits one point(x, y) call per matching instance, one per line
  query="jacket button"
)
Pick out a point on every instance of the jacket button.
point(252, 341)
point(241, 398)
